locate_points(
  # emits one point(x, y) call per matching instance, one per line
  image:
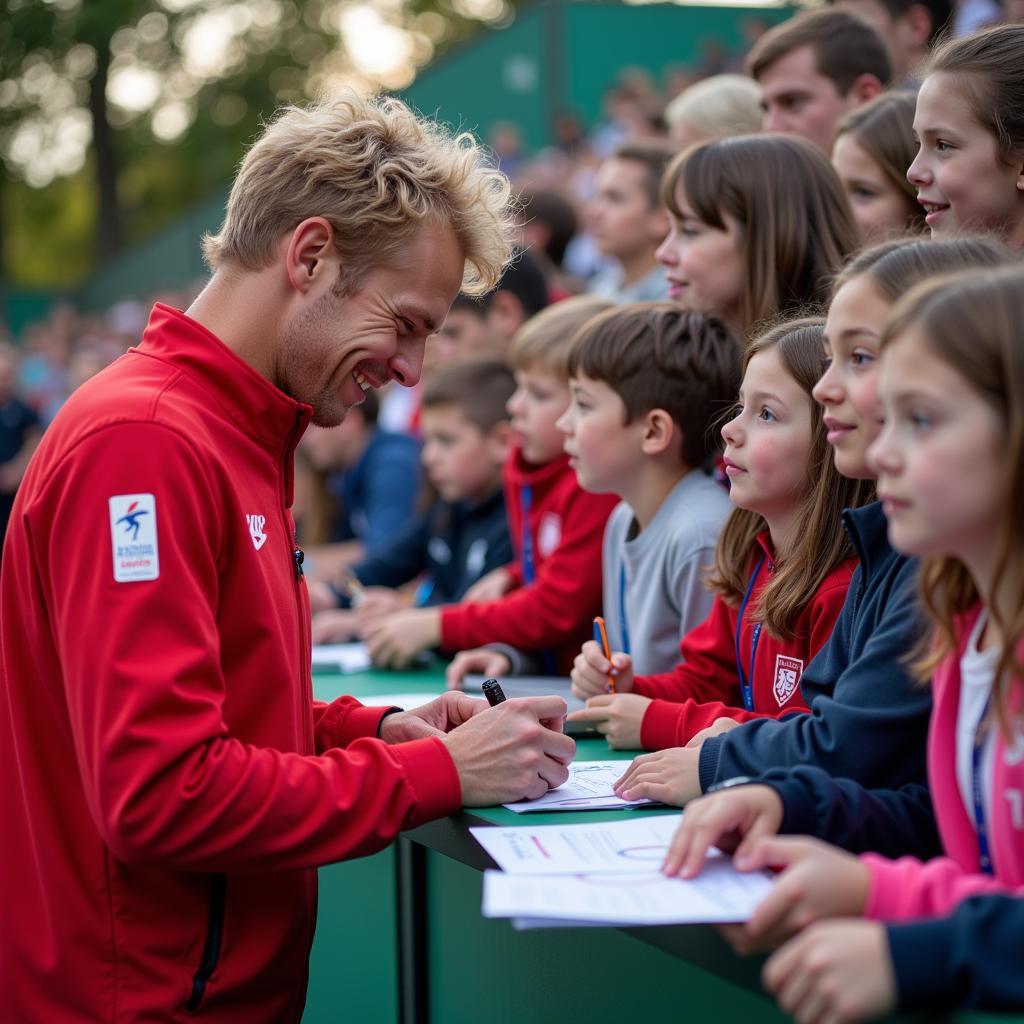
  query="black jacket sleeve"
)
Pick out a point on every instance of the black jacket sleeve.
point(974, 957)
point(894, 823)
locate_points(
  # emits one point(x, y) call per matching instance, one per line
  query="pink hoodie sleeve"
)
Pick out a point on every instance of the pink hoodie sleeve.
point(908, 888)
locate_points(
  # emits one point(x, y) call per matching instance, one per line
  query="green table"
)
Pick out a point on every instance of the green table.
point(401, 940)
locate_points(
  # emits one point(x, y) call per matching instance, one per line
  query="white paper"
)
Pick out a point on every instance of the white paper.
point(589, 788)
point(718, 895)
point(616, 847)
point(406, 701)
point(352, 657)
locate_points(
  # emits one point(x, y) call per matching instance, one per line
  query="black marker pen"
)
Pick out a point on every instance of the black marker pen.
point(493, 692)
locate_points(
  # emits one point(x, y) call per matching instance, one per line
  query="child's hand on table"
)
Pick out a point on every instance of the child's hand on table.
point(817, 881)
point(481, 660)
point(617, 716)
point(834, 971)
point(734, 820)
point(394, 640)
point(666, 775)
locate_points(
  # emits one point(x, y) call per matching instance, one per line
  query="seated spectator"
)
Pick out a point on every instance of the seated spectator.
point(481, 327)
point(908, 28)
point(716, 108)
point(814, 69)
point(375, 477)
point(873, 150)
point(549, 223)
point(461, 536)
point(627, 221)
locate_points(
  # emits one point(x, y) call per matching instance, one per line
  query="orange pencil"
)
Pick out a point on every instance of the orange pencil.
point(601, 637)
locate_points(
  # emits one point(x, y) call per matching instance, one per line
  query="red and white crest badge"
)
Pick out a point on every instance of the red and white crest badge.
point(787, 677)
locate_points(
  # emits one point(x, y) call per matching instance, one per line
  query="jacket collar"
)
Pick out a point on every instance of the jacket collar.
point(539, 477)
point(869, 533)
point(256, 406)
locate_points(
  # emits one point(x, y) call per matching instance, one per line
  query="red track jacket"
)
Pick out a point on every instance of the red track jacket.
point(554, 611)
point(168, 783)
point(705, 685)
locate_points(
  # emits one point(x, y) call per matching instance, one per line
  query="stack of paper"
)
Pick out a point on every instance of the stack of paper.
point(589, 788)
point(608, 874)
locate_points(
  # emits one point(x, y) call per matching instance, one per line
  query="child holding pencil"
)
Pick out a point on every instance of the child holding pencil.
point(780, 575)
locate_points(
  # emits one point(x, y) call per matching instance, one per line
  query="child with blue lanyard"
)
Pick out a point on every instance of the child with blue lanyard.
point(781, 570)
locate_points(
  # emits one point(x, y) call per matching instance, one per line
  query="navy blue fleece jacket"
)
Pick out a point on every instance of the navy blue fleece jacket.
point(868, 719)
point(974, 957)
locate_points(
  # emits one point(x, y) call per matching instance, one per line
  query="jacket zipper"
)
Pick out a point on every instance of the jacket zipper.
point(214, 937)
point(305, 642)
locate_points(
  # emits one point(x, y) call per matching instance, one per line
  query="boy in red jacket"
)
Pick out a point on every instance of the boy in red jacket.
point(545, 601)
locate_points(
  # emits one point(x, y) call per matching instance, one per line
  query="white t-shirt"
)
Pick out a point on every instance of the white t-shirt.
point(977, 671)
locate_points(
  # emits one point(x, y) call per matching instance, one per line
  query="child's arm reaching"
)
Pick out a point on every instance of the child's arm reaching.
point(564, 596)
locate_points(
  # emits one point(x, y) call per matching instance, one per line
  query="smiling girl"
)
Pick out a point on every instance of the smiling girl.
point(969, 169)
point(752, 247)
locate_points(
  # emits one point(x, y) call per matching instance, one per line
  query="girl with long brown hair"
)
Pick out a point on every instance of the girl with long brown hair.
point(759, 225)
point(874, 147)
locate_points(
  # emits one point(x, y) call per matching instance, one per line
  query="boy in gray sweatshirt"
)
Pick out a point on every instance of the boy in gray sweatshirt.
point(648, 383)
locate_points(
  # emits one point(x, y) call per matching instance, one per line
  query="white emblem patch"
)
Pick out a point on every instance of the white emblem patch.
point(133, 537)
point(549, 533)
point(256, 530)
point(787, 677)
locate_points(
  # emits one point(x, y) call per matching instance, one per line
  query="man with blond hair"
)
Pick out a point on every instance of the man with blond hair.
point(169, 785)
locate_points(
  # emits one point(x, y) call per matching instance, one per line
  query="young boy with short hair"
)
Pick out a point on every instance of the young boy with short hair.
point(647, 383)
point(545, 600)
point(462, 535)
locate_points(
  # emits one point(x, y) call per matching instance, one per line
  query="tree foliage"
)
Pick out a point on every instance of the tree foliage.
point(117, 114)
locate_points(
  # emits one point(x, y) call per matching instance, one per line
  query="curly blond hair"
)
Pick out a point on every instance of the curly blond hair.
point(376, 172)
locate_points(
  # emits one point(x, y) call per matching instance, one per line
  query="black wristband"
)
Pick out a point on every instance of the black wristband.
point(390, 711)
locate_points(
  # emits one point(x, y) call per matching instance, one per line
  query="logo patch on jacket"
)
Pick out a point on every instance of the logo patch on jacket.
point(133, 537)
point(787, 677)
point(256, 530)
point(549, 533)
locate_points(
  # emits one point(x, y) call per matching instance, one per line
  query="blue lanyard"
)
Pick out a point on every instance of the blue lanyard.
point(547, 658)
point(525, 505)
point(622, 607)
point(747, 680)
point(977, 752)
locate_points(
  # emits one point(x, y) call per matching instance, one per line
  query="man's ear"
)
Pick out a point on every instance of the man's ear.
point(310, 253)
point(660, 432)
point(865, 87)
